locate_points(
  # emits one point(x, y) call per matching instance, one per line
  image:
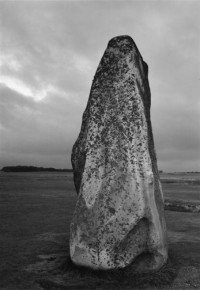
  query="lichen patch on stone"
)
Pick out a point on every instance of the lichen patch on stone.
point(119, 214)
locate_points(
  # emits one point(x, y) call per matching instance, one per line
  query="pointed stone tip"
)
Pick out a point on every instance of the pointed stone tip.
point(123, 42)
point(121, 39)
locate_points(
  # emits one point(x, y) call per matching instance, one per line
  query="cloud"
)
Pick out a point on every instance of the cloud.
point(36, 128)
point(49, 52)
point(46, 61)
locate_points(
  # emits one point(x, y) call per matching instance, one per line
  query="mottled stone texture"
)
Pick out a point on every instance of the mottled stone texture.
point(119, 215)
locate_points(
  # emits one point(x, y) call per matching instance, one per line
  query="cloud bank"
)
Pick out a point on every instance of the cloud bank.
point(49, 52)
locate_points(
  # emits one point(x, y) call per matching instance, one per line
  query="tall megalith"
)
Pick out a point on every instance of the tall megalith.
point(119, 215)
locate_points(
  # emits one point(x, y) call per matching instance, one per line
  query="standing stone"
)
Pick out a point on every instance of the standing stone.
point(119, 215)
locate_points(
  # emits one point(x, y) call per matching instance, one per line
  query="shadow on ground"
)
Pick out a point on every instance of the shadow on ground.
point(55, 271)
point(62, 274)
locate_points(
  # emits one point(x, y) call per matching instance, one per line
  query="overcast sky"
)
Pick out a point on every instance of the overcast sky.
point(49, 52)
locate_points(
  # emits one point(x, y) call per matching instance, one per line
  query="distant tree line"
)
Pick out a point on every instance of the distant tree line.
point(20, 168)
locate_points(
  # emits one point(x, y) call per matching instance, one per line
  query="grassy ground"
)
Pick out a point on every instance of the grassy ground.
point(35, 213)
point(185, 186)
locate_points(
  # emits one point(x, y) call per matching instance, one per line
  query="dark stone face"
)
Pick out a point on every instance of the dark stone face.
point(113, 82)
point(119, 212)
point(124, 43)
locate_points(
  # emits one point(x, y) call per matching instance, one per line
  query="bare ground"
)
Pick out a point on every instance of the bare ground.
point(35, 213)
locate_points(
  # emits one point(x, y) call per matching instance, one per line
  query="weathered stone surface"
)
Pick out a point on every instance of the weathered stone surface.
point(119, 215)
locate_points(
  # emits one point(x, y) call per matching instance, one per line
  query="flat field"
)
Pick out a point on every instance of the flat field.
point(185, 186)
point(35, 214)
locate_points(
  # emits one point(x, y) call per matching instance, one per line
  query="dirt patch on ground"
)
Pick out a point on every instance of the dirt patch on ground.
point(182, 205)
